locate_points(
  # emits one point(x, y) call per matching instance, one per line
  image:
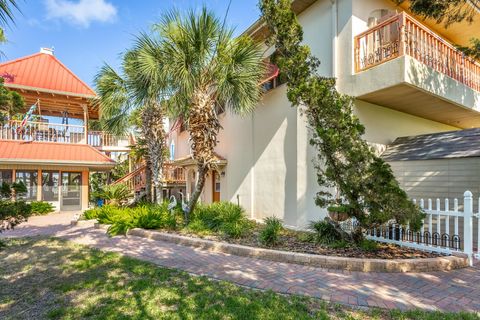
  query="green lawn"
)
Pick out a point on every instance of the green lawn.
point(53, 279)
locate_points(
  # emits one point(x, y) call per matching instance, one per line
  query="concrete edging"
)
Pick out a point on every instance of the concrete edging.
point(444, 263)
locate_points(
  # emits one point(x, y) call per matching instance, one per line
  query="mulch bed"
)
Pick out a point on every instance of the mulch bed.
point(290, 241)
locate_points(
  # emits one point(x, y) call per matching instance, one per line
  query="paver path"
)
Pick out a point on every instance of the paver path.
point(455, 290)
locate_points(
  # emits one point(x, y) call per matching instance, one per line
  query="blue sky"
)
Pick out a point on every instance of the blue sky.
point(86, 33)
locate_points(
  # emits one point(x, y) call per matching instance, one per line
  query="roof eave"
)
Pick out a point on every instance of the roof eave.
point(65, 93)
point(50, 162)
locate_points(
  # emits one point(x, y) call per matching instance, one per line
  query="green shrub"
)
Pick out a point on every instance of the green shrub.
point(41, 207)
point(114, 194)
point(91, 214)
point(324, 232)
point(5, 191)
point(271, 231)
point(368, 245)
point(198, 227)
point(13, 213)
point(221, 217)
point(154, 217)
point(121, 219)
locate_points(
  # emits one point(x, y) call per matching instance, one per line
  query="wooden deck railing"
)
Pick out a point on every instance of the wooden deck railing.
point(136, 180)
point(403, 35)
point(42, 131)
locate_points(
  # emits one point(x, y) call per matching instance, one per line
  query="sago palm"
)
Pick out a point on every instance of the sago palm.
point(200, 65)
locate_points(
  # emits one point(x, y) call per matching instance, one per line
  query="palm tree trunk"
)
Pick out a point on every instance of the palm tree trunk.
point(203, 127)
point(148, 183)
point(202, 173)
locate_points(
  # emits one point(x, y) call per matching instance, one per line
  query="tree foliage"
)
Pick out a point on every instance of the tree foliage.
point(344, 160)
point(202, 66)
point(125, 96)
point(11, 102)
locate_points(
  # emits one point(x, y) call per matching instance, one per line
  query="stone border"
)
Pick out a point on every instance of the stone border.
point(443, 263)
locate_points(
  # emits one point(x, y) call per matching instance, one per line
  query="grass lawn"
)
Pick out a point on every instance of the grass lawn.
point(52, 279)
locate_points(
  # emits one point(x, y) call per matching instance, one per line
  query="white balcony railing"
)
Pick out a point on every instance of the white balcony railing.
point(42, 131)
point(62, 133)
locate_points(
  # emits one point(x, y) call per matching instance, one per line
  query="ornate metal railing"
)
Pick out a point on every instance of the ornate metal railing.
point(403, 35)
point(42, 131)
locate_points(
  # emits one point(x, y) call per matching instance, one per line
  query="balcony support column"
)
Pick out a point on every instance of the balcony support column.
point(85, 122)
point(39, 185)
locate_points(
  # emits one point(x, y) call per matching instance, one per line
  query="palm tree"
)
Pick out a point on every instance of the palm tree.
point(201, 66)
point(119, 97)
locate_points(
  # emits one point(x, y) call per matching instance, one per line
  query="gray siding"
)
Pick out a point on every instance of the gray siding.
point(441, 178)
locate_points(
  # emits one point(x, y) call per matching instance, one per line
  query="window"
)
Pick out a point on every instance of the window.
point(50, 185)
point(5, 176)
point(30, 180)
point(172, 151)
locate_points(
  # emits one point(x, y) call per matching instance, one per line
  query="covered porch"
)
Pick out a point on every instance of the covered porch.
point(215, 183)
point(55, 173)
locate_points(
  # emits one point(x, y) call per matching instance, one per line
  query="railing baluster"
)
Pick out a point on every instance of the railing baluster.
point(430, 227)
point(455, 208)
point(447, 217)
point(439, 220)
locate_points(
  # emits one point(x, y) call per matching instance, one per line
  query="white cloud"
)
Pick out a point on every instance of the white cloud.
point(81, 12)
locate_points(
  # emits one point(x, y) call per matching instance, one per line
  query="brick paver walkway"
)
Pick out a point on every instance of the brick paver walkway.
point(453, 291)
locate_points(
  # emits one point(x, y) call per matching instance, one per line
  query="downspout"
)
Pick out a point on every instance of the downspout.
point(334, 37)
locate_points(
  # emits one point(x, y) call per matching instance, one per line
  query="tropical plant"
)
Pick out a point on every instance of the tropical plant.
point(271, 231)
point(115, 194)
point(198, 65)
point(326, 233)
point(120, 95)
point(11, 102)
point(41, 207)
point(221, 217)
point(345, 162)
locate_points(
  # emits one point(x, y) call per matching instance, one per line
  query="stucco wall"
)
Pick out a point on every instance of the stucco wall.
point(270, 169)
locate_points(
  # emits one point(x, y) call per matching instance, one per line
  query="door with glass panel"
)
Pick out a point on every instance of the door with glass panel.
point(30, 179)
point(71, 191)
point(51, 187)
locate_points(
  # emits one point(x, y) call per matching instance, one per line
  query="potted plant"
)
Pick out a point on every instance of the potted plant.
point(339, 212)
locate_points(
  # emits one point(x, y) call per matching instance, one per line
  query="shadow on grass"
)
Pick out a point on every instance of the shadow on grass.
point(49, 278)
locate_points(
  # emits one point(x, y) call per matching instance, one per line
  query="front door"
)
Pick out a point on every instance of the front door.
point(216, 187)
point(71, 191)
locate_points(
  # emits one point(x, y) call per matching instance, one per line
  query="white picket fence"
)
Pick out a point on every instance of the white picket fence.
point(446, 231)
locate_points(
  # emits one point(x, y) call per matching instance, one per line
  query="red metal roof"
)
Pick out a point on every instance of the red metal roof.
point(52, 153)
point(43, 71)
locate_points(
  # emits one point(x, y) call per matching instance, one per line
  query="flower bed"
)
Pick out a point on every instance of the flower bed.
point(226, 222)
point(437, 263)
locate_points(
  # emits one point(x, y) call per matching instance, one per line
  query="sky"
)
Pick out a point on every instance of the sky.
point(88, 33)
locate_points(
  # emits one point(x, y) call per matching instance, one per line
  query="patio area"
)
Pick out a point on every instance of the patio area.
point(452, 291)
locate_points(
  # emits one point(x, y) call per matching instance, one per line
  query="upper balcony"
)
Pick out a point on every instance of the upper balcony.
point(403, 65)
point(63, 133)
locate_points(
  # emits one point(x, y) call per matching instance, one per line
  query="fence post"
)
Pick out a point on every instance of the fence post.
point(468, 225)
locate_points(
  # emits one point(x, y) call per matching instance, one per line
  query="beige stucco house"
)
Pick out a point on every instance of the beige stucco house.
point(406, 75)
